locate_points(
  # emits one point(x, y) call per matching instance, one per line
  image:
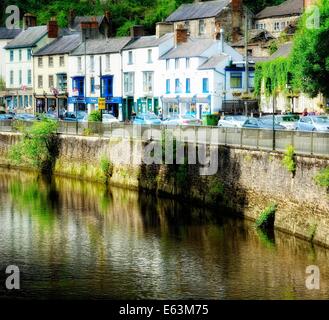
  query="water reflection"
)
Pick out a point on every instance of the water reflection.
point(73, 239)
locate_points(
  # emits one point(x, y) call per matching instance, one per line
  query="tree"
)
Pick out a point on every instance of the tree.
point(310, 56)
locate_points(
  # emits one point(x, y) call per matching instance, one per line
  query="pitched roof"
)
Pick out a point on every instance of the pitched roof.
point(192, 48)
point(79, 19)
point(198, 10)
point(213, 61)
point(148, 41)
point(98, 46)
point(27, 38)
point(64, 44)
point(254, 35)
point(287, 8)
point(9, 33)
point(283, 51)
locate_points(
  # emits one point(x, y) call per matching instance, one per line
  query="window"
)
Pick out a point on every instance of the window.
point(92, 85)
point(40, 62)
point(20, 101)
point(187, 63)
point(187, 25)
point(20, 76)
point(50, 62)
point(30, 101)
point(188, 85)
point(130, 57)
point(205, 85)
point(167, 64)
point(201, 27)
point(78, 84)
point(178, 88)
point(11, 77)
point(40, 82)
point(251, 81)
point(11, 53)
point(108, 62)
point(149, 56)
point(283, 25)
point(176, 63)
point(26, 101)
point(236, 80)
point(168, 86)
point(51, 81)
point(62, 81)
point(92, 63)
point(20, 55)
point(29, 76)
point(29, 54)
point(61, 61)
point(79, 64)
point(129, 83)
point(148, 82)
point(107, 86)
point(277, 26)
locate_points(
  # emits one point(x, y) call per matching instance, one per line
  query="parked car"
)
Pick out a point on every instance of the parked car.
point(109, 118)
point(288, 121)
point(147, 118)
point(25, 117)
point(261, 123)
point(79, 116)
point(6, 116)
point(232, 121)
point(313, 123)
point(182, 120)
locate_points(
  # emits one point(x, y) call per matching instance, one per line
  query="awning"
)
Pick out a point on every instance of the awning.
point(203, 99)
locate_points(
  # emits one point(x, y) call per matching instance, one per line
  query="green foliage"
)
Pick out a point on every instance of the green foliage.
point(107, 168)
point(267, 217)
point(310, 55)
point(272, 76)
point(215, 191)
point(273, 47)
point(38, 146)
point(322, 178)
point(95, 116)
point(289, 159)
point(2, 84)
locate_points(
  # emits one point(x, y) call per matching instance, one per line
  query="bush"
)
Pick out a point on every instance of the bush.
point(267, 217)
point(39, 145)
point(95, 116)
point(289, 159)
point(107, 169)
point(322, 179)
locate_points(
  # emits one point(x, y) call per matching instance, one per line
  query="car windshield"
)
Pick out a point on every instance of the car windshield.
point(321, 120)
point(151, 117)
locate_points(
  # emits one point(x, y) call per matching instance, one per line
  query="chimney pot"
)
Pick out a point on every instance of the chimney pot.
point(52, 28)
point(29, 20)
point(137, 31)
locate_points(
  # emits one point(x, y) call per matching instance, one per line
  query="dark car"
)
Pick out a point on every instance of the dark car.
point(74, 116)
point(6, 116)
point(255, 123)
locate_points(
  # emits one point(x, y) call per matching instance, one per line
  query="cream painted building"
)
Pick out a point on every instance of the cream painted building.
point(50, 77)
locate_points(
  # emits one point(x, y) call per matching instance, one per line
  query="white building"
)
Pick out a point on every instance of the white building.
point(194, 78)
point(95, 70)
point(142, 72)
point(19, 66)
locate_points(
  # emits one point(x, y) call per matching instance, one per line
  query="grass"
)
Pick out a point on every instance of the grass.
point(322, 178)
point(267, 217)
point(289, 159)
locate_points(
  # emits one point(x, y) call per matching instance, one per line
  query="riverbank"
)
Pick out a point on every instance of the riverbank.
point(247, 180)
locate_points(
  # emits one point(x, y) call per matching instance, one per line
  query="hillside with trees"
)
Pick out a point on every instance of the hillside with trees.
point(125, 12)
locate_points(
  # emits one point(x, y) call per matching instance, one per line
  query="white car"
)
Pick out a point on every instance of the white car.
point(313, 123)
point(232, 121)
point(109, 118)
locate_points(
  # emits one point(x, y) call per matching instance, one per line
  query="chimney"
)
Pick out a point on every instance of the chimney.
point(181, 35)
point(163, 28)
point(71, 19)
point(29, 20)
point(308, 3)
point(52, 28)
point(237, 13)
point(222, 42)
point(137, 31)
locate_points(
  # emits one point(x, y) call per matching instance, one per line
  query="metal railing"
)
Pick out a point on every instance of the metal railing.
point(309, 143)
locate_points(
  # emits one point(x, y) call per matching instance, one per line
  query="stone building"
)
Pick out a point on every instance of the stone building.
point(205, 19)
point(276, 19)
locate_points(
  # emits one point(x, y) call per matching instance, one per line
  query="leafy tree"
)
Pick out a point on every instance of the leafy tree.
point(310, 56)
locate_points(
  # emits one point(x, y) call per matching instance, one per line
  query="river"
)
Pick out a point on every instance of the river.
point(74, 239)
